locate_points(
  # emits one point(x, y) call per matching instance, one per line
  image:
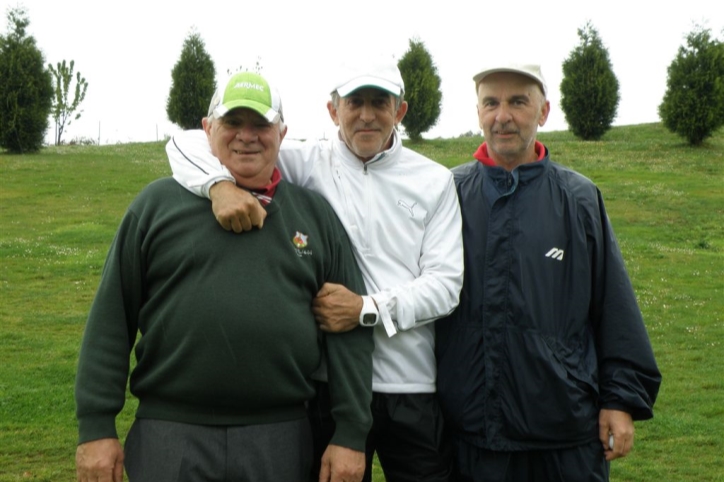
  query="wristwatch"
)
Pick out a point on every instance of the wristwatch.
point(369, 316)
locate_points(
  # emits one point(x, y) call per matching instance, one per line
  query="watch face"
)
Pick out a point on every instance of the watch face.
point(369, 319)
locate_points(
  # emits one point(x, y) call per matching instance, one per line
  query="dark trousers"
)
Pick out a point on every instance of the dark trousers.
point(162, 451)
point(584, 463)
point(407, 435)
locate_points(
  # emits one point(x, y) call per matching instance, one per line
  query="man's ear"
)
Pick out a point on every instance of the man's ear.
point(206, 123)
point(333, 112)
point(401, 111)
point(545, 110)
point(282, 133)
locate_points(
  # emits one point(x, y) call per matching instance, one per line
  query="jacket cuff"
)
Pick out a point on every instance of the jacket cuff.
point(213, 179)
point(385, 316)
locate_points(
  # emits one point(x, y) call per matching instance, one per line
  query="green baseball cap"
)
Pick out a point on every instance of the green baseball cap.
point(249, 90)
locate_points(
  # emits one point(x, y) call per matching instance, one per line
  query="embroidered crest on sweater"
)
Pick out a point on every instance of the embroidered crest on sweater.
point(301, 241)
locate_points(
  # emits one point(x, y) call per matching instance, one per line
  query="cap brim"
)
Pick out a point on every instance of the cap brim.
point(368, 81)
point(478, 77)
point(485, 73)
point(269, 114)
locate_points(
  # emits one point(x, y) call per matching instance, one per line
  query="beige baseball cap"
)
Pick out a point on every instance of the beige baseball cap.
point(529, 70)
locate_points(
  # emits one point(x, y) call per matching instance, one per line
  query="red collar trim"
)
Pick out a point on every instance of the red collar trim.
point(482, 154)
point(266, 193)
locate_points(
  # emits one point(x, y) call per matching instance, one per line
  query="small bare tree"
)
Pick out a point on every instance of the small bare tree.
point(256, 69)
point(63, 108)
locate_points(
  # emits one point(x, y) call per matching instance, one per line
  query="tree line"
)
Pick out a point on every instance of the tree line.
point(693, 106)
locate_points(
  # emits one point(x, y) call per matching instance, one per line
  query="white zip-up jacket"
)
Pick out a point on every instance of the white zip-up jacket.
point(401, 212)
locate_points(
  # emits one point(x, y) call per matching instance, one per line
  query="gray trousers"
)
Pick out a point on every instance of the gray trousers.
point(162, 451)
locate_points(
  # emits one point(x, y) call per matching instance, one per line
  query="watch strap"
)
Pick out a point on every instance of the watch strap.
point(369, 315)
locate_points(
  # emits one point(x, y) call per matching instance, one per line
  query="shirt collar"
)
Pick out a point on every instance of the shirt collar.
point(481, 154)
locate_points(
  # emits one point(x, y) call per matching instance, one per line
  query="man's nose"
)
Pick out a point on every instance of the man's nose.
point(503, 114)
point(246, 133)
point(367, 112)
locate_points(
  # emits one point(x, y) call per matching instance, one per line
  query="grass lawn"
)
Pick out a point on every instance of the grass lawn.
point(59, 210)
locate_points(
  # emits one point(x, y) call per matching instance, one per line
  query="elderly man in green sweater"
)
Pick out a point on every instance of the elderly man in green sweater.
point(228, 345)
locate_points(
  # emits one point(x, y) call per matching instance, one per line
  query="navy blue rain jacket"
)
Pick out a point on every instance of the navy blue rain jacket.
point(548, 330)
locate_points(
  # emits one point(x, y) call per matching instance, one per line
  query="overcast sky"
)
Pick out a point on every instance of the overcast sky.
point(126, 50)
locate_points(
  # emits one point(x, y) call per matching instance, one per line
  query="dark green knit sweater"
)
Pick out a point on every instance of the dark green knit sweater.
point(227, 333)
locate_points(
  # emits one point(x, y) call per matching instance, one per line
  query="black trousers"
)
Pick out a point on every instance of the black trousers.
point(584, 463)
point(407, 434)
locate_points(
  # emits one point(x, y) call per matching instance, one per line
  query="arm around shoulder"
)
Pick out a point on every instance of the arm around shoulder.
point(193, 164)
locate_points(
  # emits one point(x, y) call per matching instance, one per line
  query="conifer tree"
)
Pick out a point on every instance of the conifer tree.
point(192, 84)
point(422, 90)
point(589, 89)
point(693, 105)
point(26, 89)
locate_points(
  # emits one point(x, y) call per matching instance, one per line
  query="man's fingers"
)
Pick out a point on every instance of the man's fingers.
point(621, 447)
point(225, 223)
point(323, 291)
point(118, 472)
point(322, 324)
point(327, 289)
point(235, 225)
point(257, 216)
point(244, 223)
point(236, 209)
point(324, 472)
point(626, 445)
point(240, 221)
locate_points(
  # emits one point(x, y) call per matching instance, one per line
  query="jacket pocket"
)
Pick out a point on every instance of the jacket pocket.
point(461, 375)
point(548, 389)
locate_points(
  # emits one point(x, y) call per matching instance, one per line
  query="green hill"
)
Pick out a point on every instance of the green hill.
point(59, 210)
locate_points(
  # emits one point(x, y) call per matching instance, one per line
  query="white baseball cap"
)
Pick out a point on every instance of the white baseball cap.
point(529, 70)
point(378, 73)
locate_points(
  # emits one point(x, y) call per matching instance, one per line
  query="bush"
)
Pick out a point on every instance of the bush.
point(693, 105)
point(589, 90)
point(422, 90)
point(192, 84)
point(82, 141)
point(26, 89)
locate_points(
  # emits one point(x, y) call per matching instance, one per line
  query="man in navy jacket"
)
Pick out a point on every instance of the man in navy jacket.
point(546, 362)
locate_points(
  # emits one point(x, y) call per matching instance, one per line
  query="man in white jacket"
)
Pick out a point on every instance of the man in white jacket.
point(402, 215)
